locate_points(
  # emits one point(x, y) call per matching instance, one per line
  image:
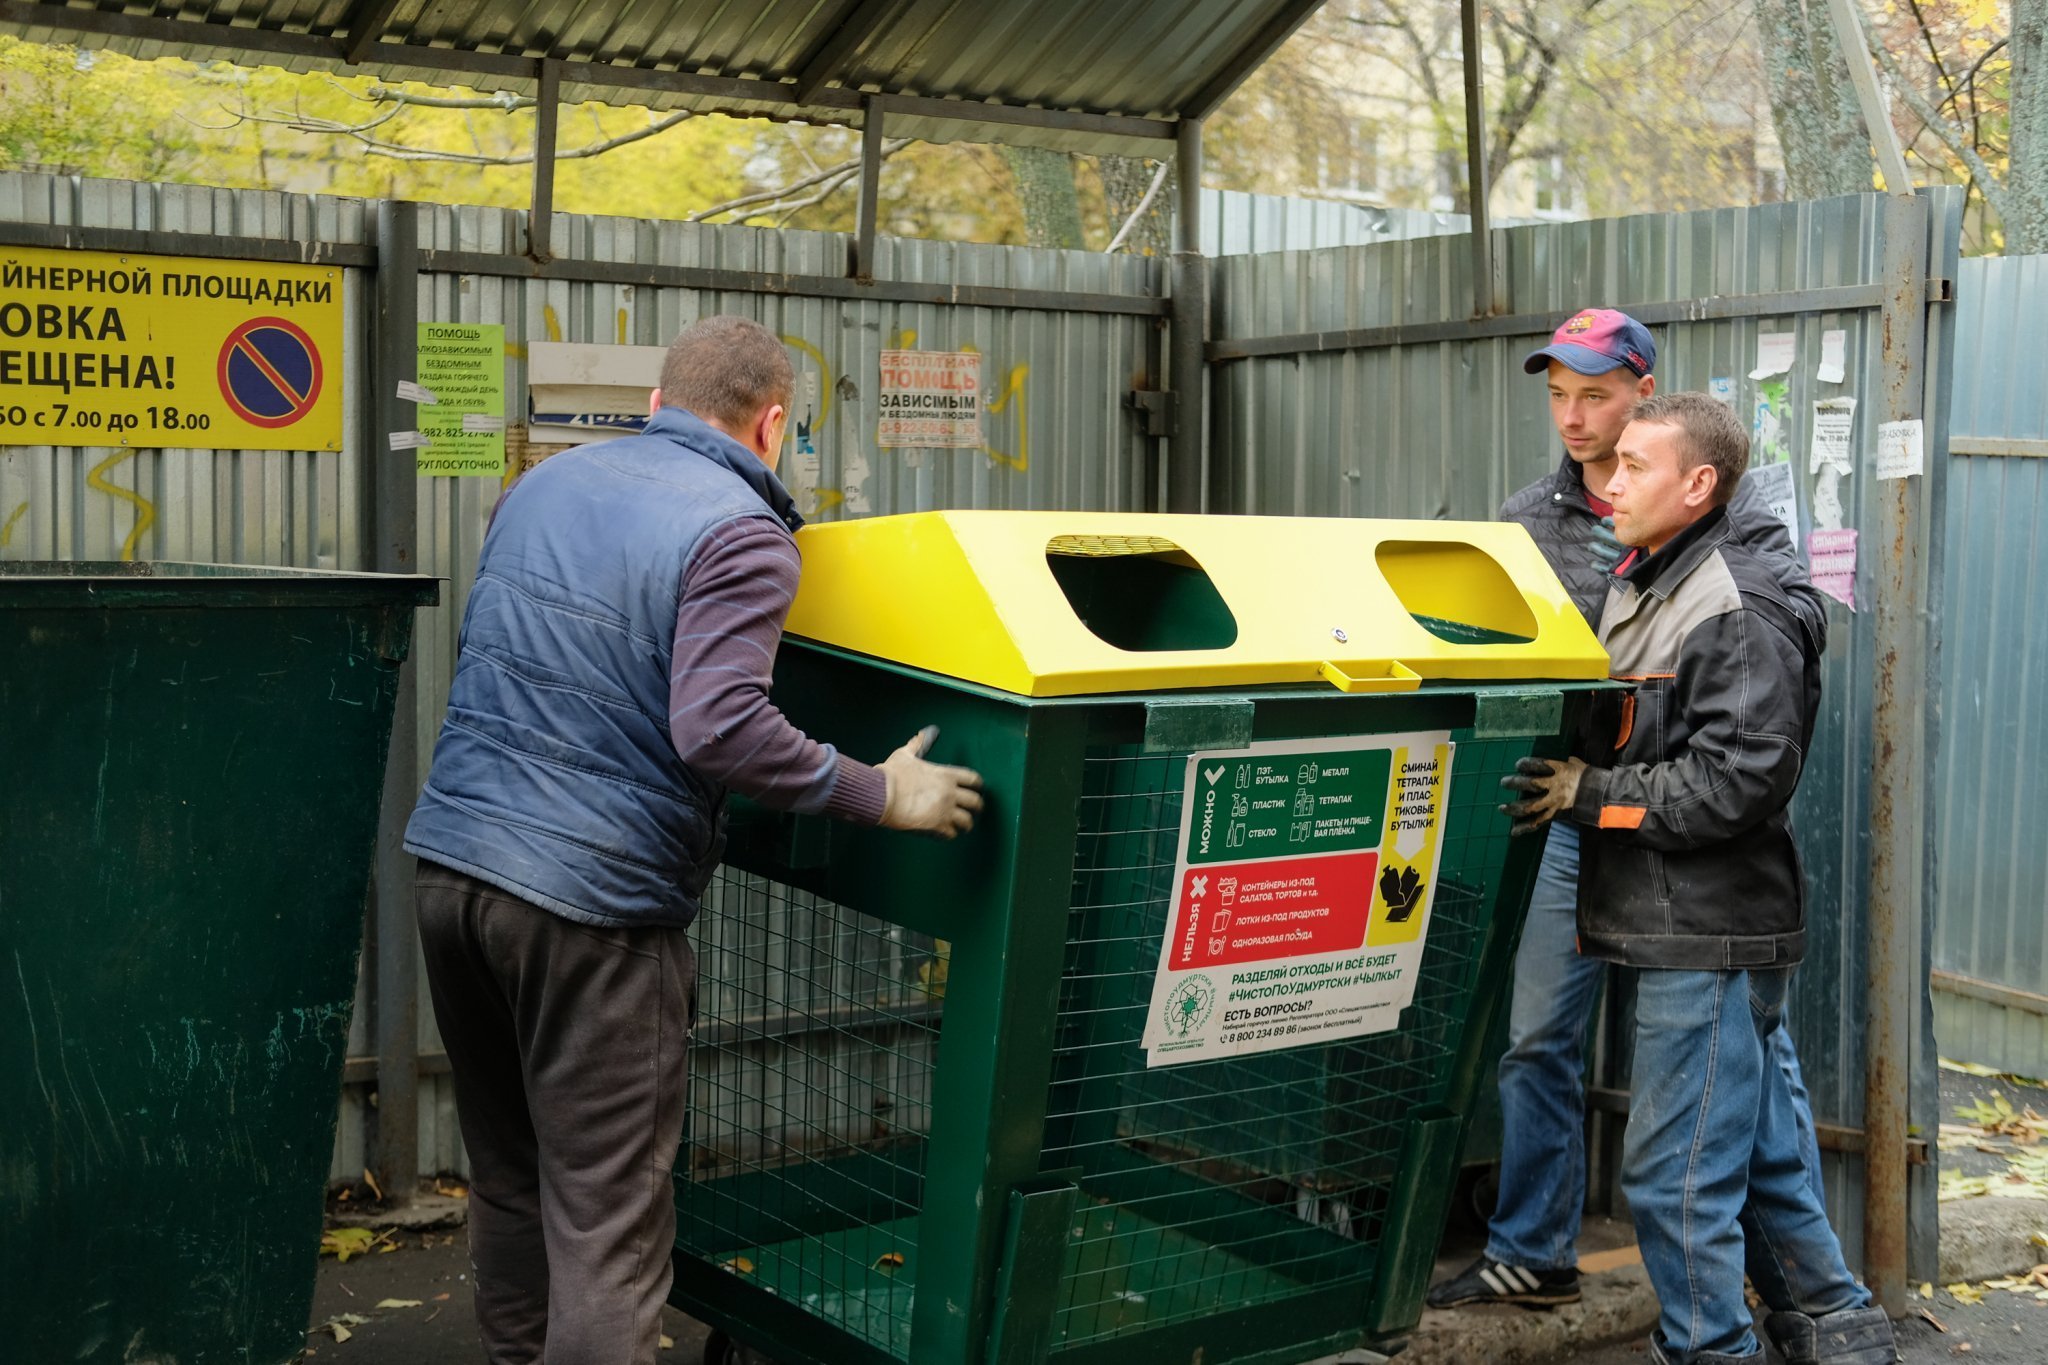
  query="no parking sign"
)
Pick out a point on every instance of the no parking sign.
point(106, 349)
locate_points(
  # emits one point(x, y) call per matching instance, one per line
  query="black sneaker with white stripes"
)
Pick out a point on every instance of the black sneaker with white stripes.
point(1488, 1281)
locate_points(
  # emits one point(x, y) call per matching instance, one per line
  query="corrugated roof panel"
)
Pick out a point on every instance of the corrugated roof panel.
point(1150, 59)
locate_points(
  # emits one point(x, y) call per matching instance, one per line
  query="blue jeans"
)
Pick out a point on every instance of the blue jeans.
point(1542, 1077)
point(1716, 1169)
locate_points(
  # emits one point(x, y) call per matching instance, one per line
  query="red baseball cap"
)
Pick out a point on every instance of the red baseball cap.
point(1595, 341)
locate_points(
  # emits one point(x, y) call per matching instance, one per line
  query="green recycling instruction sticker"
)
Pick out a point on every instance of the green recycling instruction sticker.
point(1301, 894)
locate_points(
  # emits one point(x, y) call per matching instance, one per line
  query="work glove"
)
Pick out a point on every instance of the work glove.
point(928, 797)
point(1606, 550)
point(1550, 789)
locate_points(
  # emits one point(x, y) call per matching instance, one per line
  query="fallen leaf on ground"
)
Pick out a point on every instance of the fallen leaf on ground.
point(668, 1343)
point(338, 1326)
point(740, 1264)
point(342, 1243)
point(1926, 1291)
point(440, 1298)
point(399, 1303)
point(1938, 1326)
point(371, 1181)
point(1965, 1293)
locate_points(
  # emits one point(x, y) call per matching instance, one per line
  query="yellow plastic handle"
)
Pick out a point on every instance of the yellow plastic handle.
point(1398, 678)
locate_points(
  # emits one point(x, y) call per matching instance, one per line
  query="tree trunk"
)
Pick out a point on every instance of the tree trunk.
point(1124, 182)
point(2026, 177)
point(1045, 190)
point(1813, 104)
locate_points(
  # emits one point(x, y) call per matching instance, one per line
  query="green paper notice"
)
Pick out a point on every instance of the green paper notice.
point(463, 368)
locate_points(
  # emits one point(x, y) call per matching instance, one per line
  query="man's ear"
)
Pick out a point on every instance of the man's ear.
point(1646, 386)
point(1700, 482)
point(653, 401)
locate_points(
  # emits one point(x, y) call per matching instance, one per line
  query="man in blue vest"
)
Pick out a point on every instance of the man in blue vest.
point(612, 686)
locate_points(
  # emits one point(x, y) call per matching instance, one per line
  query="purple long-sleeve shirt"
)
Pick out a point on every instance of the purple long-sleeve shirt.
point(735, 596)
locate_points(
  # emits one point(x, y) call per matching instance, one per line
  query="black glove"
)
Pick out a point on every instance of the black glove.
point(1550, 789)
point(1606, 550)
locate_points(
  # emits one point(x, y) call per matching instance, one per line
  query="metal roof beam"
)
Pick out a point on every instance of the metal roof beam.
point(1250, 58)
point(857, 21)
point(366, 21)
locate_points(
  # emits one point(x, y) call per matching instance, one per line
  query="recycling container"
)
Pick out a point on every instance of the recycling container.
point(193, 756)
point(1170, 1058)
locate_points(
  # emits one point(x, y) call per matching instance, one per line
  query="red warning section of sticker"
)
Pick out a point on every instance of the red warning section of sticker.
point(1231, 913)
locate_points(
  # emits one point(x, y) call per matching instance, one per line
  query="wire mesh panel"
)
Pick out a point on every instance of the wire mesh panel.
point(1222, 1185)
point(816, 1043)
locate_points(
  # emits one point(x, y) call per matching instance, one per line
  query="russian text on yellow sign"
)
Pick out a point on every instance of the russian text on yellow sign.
point(106, 349)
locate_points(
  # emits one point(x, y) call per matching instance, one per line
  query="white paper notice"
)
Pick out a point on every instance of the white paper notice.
point(1775, 483)
point(409, 440)
point(1773, 354)
point(1723, 390)
point(480, 422)
point(1834, 350)
point(1827, 500)
point(854, 478)
point(1834, 424)
point(409, 392)
point(1900, 449)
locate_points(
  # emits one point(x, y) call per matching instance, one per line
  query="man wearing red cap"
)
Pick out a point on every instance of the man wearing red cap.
point(1598, 366)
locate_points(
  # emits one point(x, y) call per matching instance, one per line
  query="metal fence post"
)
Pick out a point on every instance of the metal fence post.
point(1485, 296)
point(1187, 462)
point(394, 539)
point(1903, 759)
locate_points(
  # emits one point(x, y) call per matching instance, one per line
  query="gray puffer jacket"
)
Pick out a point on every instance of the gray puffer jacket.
point(1555, 512)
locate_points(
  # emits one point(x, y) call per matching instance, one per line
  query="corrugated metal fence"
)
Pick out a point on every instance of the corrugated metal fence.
point(1348, 381)
point(1991, 935)
point(1059, 433)
point(1353, 381)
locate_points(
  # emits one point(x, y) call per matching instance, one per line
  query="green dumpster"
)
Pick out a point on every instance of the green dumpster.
point(1172, 1058)
point(193, 759)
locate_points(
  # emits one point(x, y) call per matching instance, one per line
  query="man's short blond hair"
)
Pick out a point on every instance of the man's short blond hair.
point(726, 369)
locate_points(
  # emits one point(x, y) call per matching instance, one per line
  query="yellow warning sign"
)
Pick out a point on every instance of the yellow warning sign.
point(106, 349)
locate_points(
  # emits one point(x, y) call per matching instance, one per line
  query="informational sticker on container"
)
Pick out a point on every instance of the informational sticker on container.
point(930, 398)
point(464, 365)
point(1305, 877)
point(101, 348)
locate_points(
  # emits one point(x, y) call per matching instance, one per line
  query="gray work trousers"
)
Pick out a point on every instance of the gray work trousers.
point(569, 1046)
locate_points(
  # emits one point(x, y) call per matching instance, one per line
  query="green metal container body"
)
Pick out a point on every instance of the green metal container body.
point(922, 1128)
point(193, 759)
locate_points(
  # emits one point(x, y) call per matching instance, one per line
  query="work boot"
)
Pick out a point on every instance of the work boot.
point(1853, 1336)
point(1489, 1281)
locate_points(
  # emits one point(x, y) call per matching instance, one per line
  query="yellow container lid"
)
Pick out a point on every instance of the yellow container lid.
point(1054, 604)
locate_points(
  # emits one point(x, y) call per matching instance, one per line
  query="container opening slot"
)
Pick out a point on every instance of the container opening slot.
point(1456, 592)
point(1141, 593)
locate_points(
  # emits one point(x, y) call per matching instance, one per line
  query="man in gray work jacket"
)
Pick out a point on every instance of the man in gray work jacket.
point(1598, 366)
point(612, 685)
point(1682, 787)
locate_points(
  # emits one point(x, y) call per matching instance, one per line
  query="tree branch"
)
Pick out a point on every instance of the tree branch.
point(777, 198)
point(1988, 184)
point(398, 151)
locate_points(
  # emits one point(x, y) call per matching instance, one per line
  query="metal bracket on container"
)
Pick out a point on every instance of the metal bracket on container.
point(1155, 408)
point(1514, 714)
point(1178, 727)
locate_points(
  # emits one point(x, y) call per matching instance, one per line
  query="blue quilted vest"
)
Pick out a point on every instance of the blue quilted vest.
point(554, 776)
